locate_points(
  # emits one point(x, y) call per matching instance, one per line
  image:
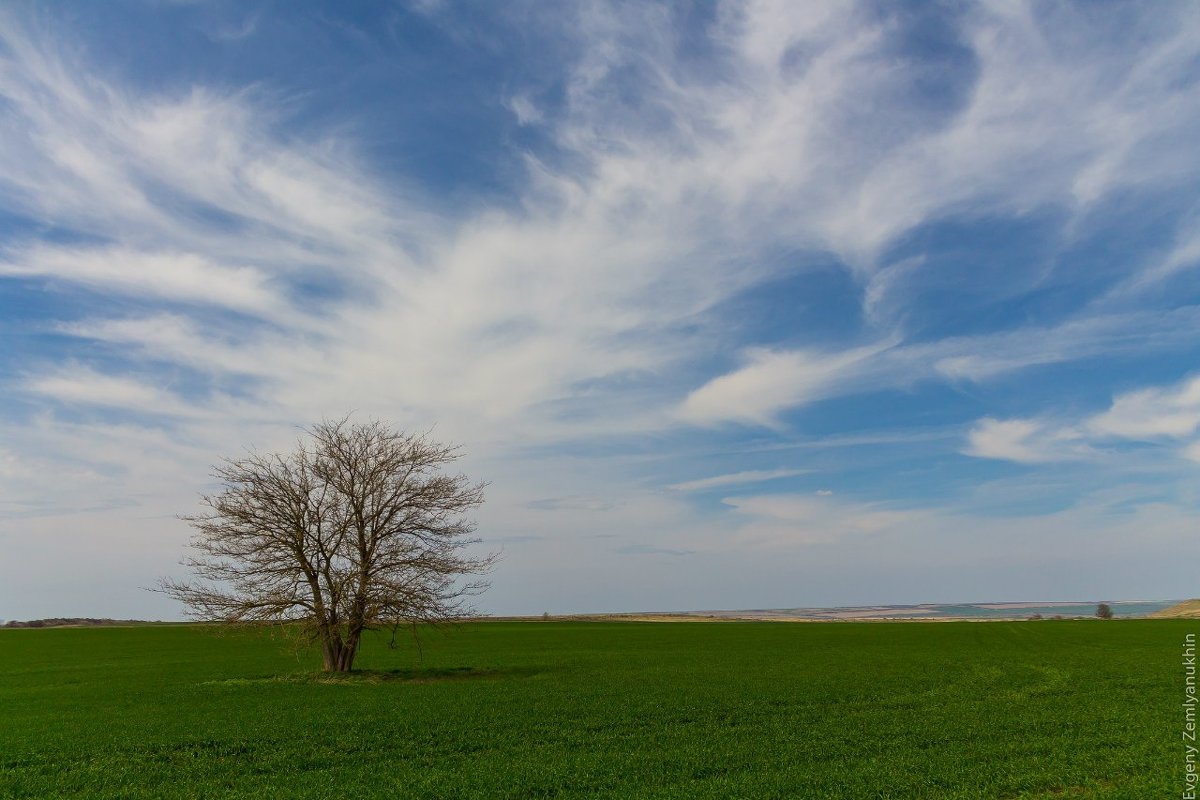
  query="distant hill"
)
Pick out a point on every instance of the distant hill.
point(1188, 608)
point(60, 622)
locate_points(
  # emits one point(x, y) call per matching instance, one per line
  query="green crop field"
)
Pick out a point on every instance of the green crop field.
point(561, 709)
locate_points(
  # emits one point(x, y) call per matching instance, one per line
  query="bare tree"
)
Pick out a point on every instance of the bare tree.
point(1104, 611)
point(357, 528)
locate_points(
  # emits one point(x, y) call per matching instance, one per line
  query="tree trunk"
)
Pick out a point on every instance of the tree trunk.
point(329, 653)
point(338, 655)
point(349, 651)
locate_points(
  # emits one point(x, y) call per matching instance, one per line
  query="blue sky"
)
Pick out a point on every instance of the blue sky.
point(735, 305)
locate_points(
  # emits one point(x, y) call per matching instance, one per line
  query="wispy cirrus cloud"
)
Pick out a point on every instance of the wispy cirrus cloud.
point(1153, 415)
point(735, 479)
point(172, 276)
point(1024, 441)
point(219, 261)
point(774, 381)
point(86, 387)
point(790, 520)
point(309, 204)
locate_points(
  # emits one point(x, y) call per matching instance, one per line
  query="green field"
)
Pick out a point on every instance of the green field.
point(559, 709)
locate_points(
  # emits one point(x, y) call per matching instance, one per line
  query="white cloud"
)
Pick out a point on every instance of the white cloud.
point(538, 309)
point(771, 382)
point(573, 503)
point(1023, 440)
point(736, 478)
point(984, 357)
point(879, 301)
point(1146, 415)
point(1152, 413)
point(776, 380)
point(82, 386)
point(179, 276)
point(1185, 254)
point(578, 309)
point(11, 465)
point(179, 340)
point(786, 520)
point(524, 109)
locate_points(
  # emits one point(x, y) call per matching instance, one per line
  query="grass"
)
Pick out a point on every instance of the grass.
point(556, 709)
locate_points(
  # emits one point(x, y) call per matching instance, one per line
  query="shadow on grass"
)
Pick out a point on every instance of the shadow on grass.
point(377, 676)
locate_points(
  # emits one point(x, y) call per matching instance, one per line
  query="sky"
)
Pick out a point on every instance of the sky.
point(733, 305)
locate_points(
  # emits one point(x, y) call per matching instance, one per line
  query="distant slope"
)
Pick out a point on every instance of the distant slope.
point(72, 622)
point(1188, 608)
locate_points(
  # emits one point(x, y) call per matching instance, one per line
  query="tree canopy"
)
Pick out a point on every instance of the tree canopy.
point(359, 526)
